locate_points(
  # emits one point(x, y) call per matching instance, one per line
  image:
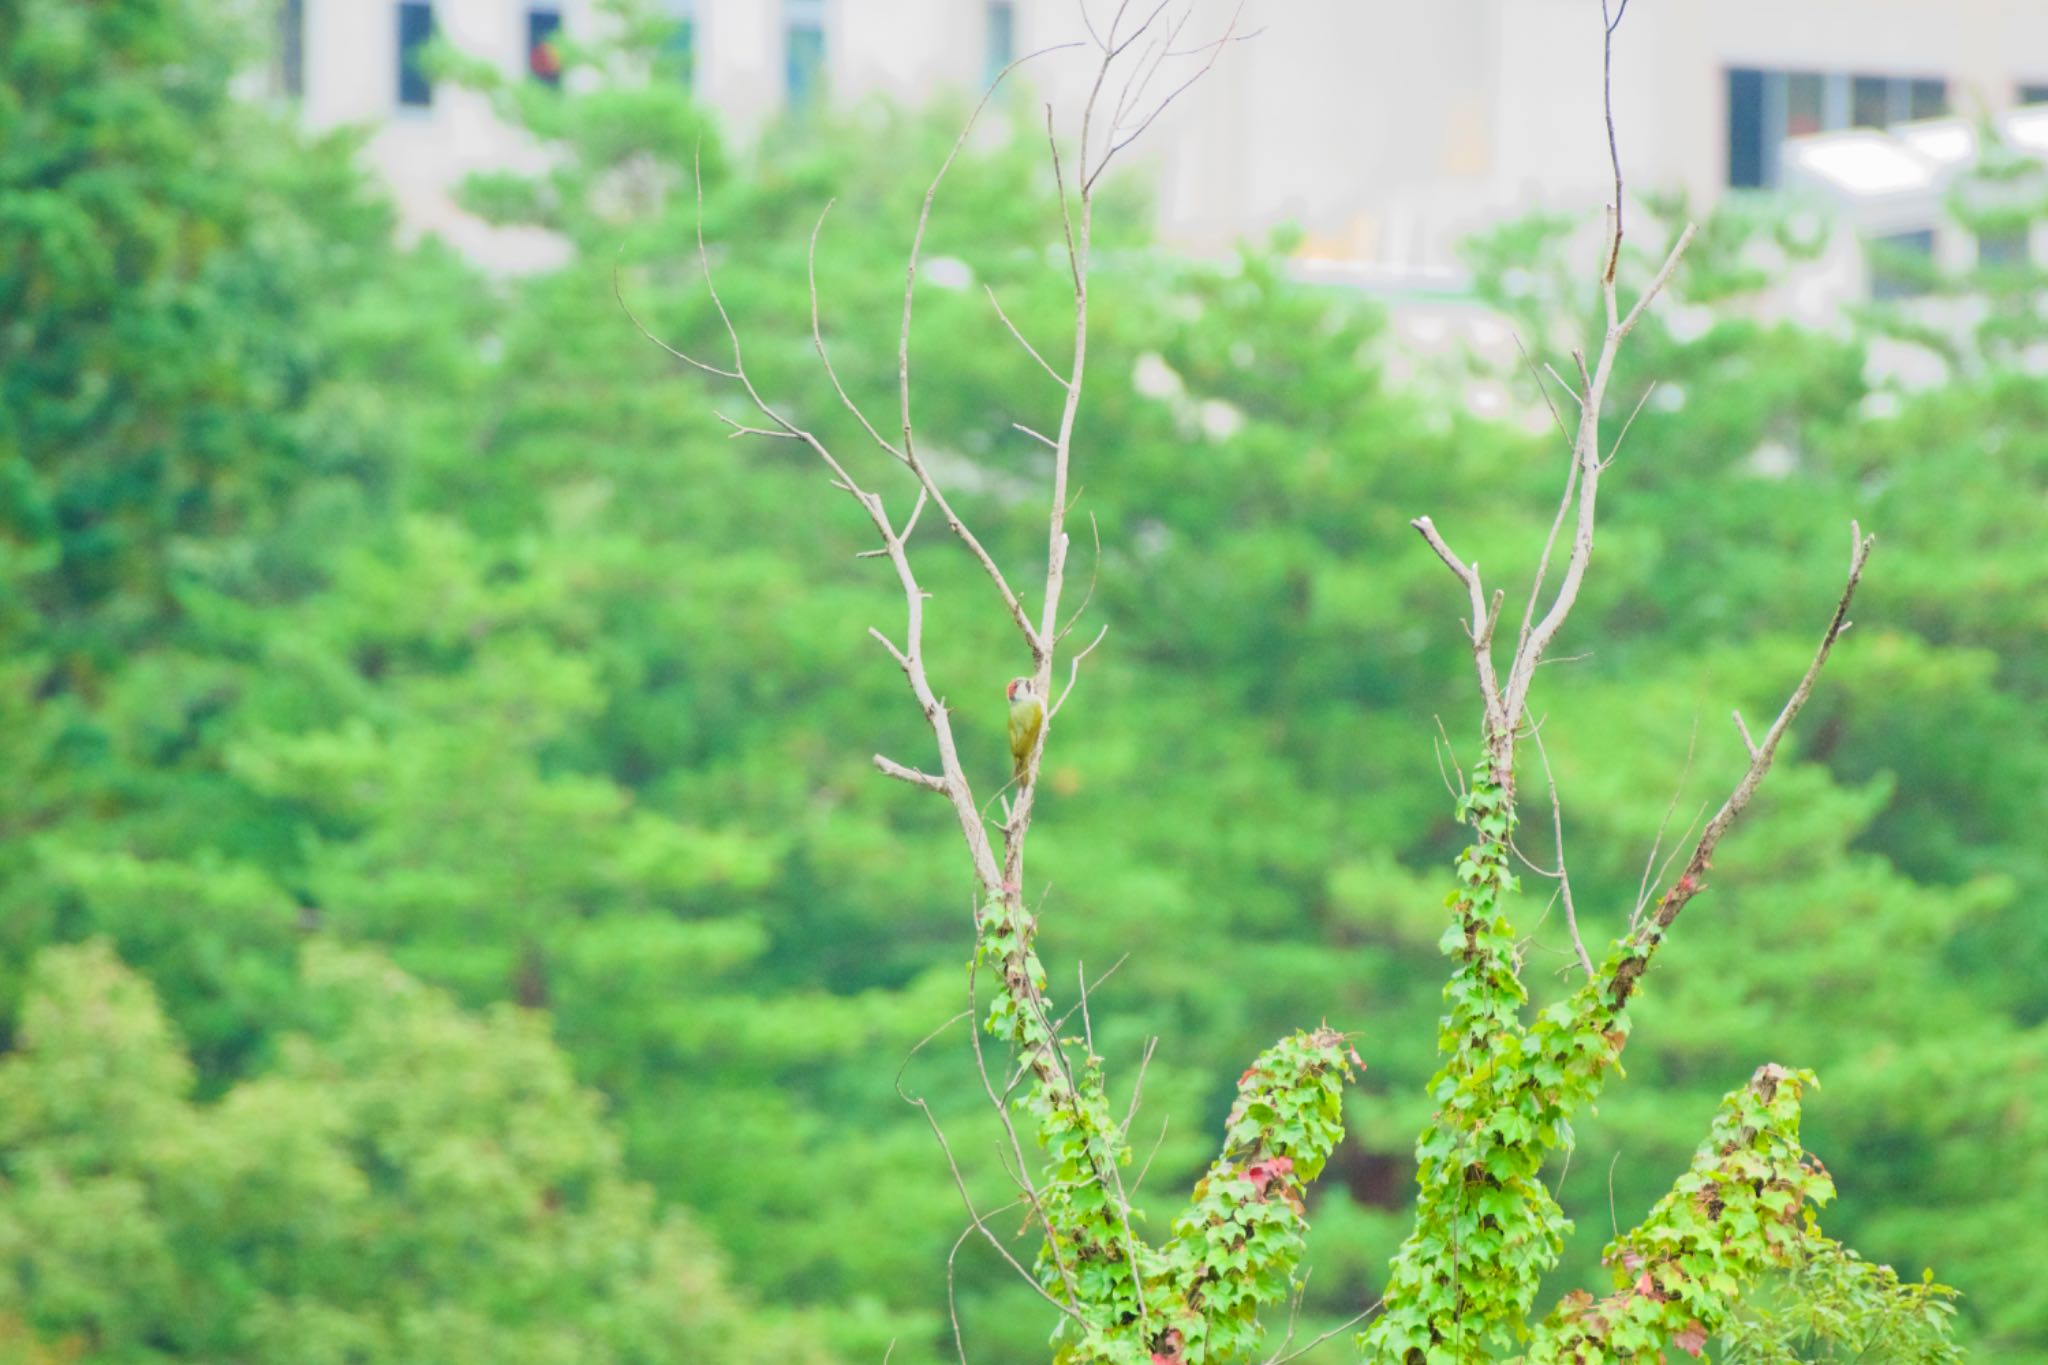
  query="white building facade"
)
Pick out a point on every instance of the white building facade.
point(1387, 129)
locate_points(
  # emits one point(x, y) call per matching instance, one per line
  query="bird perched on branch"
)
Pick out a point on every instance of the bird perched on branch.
point(1027, 718)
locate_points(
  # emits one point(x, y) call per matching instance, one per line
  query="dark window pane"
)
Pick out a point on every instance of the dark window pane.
point(291, 48)
point(2004, 249)
point(806, 62)
point(1002, 36)
point(2034, 94)
point(1902, 264)
point(679, 49)
point(1745, 128)
point(543, 58)
point(1929, 99)
point(1805, 103)
point(415, 31)
point(1869, 102)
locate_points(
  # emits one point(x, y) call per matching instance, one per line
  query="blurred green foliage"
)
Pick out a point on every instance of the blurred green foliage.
point(356, 609)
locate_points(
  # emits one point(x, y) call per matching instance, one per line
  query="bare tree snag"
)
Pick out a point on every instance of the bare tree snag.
point(1199, 1296)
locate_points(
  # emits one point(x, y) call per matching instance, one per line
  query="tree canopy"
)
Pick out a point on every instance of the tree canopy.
point(422, 720)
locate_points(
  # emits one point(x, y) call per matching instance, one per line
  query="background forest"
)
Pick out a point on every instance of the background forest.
point(446, 909)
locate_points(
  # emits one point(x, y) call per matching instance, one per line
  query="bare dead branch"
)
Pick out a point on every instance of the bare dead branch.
point(1664, 868)
point(1115, 1170)
point(619, 293)
point(1587, 466)
point(919, 1103)
point(1657, 841)
point(741, 429)
point(1339, 1329)
point(1543, 388)
point(1146, 1169)
point(1690, 883)
point(889, 767)
point(1571, 483)
point(1074, 671)
point(1481, 628)
point(1094, 573)
point(1614, 450)
point(1743, 730)
point(1609, 24)
point(818, 339)
point(1033, 639)
point(1215, 51)
point(1023, 341)
point(1138, 1086)
point(1564, 876)
point(1563, 384)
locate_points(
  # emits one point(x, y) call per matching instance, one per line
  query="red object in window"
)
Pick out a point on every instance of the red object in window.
point(543, 61)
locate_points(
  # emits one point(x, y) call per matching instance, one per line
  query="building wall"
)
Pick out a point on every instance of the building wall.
point(1386, 128)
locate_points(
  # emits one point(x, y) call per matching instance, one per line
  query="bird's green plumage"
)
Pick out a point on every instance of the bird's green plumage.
point(1027, 718)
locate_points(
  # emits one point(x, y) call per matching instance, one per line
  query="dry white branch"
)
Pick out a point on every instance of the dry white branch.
point(1360, 1316)
point(1074, 671)
point(1564, 876)
point(1691, 881)
point(1029, 349)
point(889, 767)
point(923, 1106)
point(1743, 730)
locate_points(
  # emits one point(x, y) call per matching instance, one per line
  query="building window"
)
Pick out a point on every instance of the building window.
point(1767, 107)
point(2031, 93)
point(1901, 264)
point(804, 50)
point(679, 49)
point(1002, 36)
point(543, 55)
point(289, 77)
point(415, 31)
point(2003, 249)
point(1870, 103)
point(1746, 169)
point(1926, 99)
point(1806, 103)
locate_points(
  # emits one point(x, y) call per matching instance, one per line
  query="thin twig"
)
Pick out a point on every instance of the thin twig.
point(1542, 388)
point(1610, 23)
point(1564, 878)
point(919, 1103)
point(1615, 450)
point(1747, 742)
point(1074, 671)
point(1031, 350)
point(1146, 1169)
point(1341, 1327)
point(889, 767)
point(1216, 50)
point(1657, 841)
point(1690, 881)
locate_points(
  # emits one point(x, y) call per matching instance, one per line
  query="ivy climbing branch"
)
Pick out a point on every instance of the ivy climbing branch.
point(1743, 1208)
point(1461, 1288)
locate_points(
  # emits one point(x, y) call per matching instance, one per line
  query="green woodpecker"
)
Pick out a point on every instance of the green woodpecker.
point(1027, 718)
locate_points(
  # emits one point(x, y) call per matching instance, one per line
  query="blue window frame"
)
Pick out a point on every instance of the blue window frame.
point(291, 48)
point(415, 31)
point(1002, 36)
point(543, 57)
point(804, 51)
point(679, 49)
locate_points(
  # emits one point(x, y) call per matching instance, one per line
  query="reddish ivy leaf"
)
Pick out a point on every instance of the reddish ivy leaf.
point(1693, 1339)
point(1263, 1173)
